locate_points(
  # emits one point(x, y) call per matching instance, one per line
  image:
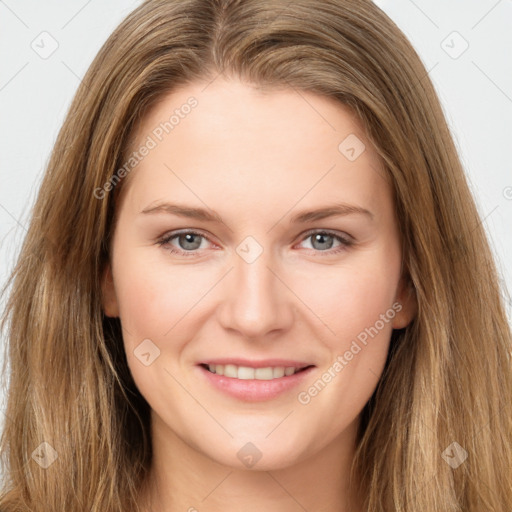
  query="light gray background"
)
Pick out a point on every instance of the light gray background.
point(475, 89)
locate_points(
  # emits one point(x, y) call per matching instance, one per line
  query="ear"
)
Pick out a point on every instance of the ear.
point(406, 297)
point(108, 293)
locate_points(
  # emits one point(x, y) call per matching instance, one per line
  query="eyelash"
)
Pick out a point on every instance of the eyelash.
point(165, 241)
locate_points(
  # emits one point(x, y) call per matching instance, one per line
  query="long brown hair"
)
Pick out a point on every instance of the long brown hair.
point(445, 393)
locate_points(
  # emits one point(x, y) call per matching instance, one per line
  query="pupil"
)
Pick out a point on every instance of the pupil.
point(320, 237)
point(189, 244)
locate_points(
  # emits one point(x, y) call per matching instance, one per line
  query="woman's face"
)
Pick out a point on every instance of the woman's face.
point(256, 232)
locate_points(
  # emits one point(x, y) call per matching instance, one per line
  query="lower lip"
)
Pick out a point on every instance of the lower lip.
point(255, 390)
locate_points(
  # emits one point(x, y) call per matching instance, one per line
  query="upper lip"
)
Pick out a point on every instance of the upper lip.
point(263, 363)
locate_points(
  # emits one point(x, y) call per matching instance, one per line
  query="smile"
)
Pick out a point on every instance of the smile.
point(248, 373)
point(251, 384)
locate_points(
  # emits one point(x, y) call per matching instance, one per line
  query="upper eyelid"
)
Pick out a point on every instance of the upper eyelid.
point(171, 234)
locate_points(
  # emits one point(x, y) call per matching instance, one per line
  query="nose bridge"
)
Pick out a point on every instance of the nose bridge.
point(257, 301)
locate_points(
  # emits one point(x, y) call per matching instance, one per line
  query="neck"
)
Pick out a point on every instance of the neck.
point(182, 478)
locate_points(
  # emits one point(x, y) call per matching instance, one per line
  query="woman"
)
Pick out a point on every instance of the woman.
point(249, 371)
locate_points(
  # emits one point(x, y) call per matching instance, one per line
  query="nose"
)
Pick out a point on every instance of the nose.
point(256, 301)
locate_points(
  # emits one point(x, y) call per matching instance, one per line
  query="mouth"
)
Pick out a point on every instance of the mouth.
point(260, 382)
point(239, 372)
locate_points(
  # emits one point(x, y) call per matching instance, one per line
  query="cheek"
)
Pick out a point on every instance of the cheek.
point(142, 301)
point(356, 303)
point(358, 309)
point(348, 300)
point(153, 300)
point(154, 296)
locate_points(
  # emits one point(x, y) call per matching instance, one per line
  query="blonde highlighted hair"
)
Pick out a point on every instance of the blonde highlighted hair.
point(448, 376)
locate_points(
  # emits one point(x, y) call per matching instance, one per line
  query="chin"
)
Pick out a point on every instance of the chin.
point(254, 456)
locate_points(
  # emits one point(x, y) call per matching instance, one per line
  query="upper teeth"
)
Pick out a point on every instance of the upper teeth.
point(245, 372)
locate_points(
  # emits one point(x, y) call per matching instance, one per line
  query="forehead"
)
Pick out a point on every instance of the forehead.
point(240, 139)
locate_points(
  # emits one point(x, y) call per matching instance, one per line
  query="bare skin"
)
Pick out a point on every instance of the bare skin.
point(257, 160)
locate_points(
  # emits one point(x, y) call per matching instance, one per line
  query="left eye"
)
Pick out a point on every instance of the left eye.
point(190, 241)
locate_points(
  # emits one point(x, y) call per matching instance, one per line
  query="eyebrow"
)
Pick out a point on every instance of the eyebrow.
point(202, 214)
